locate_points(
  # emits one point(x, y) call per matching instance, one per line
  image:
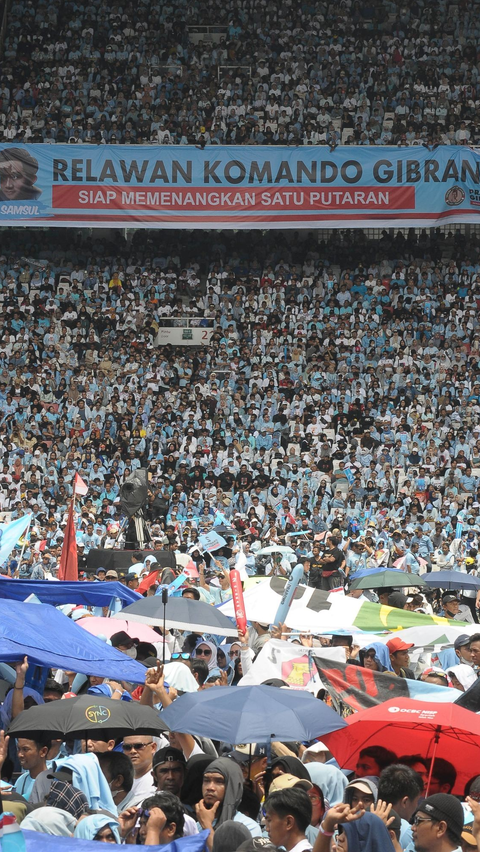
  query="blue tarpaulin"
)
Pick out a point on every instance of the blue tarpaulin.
point(56, 593)
point(36, 842)
point(49, 638)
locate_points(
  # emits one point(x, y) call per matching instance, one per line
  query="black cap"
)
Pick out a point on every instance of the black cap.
point(168, 755)
point(461, 641)
point(397, 599)
point(121, 638)
point(443, 806)
point(257, 844)
point(448, 598)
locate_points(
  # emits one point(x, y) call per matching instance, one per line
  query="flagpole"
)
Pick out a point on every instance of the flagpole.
point(25, 534)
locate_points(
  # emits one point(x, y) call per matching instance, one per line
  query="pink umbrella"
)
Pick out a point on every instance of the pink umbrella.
point(108, 626)
point(400, 563)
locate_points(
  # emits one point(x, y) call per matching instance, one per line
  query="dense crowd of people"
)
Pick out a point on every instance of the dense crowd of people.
point(365, 73)
point(335, 396)
point(332, 423)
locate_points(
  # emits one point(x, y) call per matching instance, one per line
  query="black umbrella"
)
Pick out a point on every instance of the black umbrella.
point(223, 529)
point(181, 613)
point(81, 717)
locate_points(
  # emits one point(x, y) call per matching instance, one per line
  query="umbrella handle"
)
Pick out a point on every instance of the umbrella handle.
point(432, 762)
point(164, 602)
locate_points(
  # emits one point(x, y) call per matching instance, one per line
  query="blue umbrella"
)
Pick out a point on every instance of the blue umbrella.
point(247, 714)
point(451, 580)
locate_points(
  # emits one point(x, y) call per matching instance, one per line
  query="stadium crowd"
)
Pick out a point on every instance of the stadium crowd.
point(362, 72)
point(338, 395)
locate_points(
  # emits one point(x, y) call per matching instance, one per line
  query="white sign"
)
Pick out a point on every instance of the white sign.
point(178, 336)
point(291, 663)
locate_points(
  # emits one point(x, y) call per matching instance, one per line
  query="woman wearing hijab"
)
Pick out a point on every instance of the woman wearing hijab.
point(206, 651)
point(100, 827)
point(361, 792)
point(329, 779)
point(462, 677)
point(376, 657)
point(222, 792)
point(50, 821)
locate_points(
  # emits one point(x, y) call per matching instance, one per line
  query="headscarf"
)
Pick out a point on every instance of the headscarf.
point(6, 708)
point(226, 650)
point(233, 787)
point(50, 821)
point(229, 836)
point(180, 676)
point(447, 658)
point(382, 655)
point(212, 662)
point(293, 765)
point(330, 779)
point(66, 796)
point(368, 834)
point(464, 674)
point(192, 786)
point(366, 780)
point(89, 826)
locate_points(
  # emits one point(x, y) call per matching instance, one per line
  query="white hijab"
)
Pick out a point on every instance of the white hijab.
point(212, 660)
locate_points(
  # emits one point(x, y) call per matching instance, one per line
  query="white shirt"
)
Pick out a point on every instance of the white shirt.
point(302, 846)
point(143, 787)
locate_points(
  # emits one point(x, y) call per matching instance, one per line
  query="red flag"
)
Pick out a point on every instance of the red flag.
point(80, 487)
point(68, 569)
point(191, 570)
point(148, 581)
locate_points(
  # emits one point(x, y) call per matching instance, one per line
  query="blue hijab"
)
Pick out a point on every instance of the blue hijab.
point(89, 826)
point(329, 779)
point(368, 834)
point(382, 656)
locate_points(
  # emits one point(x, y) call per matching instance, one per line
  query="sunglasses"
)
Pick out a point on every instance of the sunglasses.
point(234, 653)
point(418, 819)
point(179, 656)
point(135, 746)
point(201, 653)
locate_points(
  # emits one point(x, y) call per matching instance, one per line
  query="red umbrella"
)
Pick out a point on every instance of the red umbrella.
point(405, 726)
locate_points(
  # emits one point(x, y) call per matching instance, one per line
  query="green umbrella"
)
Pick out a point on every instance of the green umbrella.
point(388, 578)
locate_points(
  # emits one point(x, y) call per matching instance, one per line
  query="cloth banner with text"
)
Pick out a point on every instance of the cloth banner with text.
point(159, 186)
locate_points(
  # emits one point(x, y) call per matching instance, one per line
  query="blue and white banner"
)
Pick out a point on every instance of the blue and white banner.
point(211, 541)
point(10, 535)
point(230, 186)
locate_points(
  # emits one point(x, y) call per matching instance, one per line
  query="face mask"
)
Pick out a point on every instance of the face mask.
point(131, 652)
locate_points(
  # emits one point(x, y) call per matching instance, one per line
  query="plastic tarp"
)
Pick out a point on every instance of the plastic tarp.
point(32, 841)
point(49, 638)
point(59, 592)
